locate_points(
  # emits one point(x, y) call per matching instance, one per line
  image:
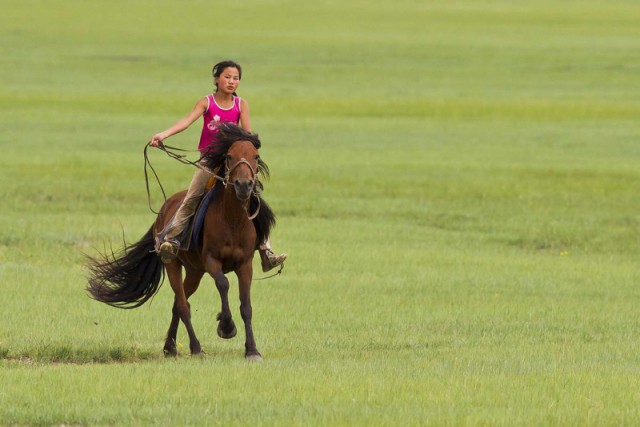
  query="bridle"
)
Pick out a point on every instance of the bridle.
point(254, 181)
point(227, 175)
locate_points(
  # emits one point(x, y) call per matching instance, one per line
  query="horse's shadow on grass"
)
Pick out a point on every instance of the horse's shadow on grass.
point(66, 354)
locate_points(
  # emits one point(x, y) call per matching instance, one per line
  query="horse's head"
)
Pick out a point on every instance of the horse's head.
point(241, 163)
point(236, 152)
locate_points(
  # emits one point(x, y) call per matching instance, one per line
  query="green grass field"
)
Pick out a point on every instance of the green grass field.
point(456, 184)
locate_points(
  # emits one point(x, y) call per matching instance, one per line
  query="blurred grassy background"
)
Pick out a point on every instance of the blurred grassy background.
point(456, 184)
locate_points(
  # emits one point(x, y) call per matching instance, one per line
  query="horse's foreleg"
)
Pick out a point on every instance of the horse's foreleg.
point(226, 326)
point(181, 309)
point(245, 275)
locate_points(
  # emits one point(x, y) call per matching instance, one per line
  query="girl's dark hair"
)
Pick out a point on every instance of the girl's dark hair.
point(220, 66)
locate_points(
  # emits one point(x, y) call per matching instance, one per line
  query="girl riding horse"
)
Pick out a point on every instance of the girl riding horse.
point(220, 107)
point(229, 238)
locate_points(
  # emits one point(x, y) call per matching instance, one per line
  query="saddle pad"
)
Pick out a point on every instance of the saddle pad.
point(198, 220)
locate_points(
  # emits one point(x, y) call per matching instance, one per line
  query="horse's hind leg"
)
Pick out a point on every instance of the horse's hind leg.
point(170, 343)
point(190, 285)
point(226, 327)
point(180, 308)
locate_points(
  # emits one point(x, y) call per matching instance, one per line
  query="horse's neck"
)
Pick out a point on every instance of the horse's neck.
point(234, 211)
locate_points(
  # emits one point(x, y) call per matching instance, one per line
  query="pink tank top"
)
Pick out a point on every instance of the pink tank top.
point(215, 114)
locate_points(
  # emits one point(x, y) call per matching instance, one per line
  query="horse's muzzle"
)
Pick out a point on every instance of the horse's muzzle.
point(244, 188)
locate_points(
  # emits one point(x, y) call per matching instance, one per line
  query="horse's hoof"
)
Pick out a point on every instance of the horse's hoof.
point(170, 352)
point(195, 349)
point(253, 358)
point(227, 336)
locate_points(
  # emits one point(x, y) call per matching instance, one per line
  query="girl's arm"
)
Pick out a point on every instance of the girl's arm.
point(181, 124)
point(245, 123)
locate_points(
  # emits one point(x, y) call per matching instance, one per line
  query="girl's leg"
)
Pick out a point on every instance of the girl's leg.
point(169, 235)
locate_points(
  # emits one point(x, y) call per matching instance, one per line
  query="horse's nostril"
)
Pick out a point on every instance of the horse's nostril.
point(243, 184)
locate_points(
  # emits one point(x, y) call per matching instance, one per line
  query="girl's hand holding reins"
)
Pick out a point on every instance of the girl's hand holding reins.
point(156, 140)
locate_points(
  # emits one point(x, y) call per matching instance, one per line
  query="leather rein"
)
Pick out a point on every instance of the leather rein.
point(182, 158)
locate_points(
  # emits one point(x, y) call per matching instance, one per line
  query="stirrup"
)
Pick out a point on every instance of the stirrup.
point(168, 251)
point(271, 260)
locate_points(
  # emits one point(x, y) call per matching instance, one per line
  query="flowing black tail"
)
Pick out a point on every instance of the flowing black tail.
point(128, 279)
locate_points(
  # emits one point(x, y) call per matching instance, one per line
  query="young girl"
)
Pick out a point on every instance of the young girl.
point(222, 106)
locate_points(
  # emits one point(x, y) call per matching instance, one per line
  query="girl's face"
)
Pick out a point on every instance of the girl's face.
point(228, 80)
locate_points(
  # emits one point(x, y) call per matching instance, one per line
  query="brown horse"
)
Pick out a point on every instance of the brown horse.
point(230, 238)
